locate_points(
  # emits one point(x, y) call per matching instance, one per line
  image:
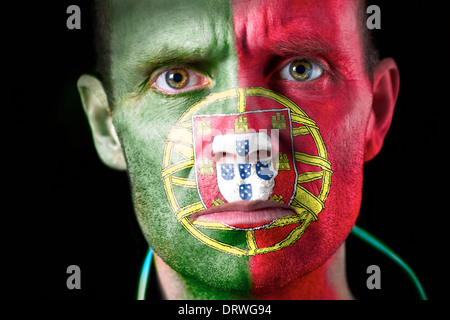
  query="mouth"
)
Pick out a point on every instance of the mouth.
point(245, 215)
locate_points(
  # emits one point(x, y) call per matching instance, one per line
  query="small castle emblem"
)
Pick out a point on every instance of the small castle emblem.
point(217, 202)
point(278, 121)
point(206, 166)
point(240, 124)
point(284, 162)
point(276, 198)
point(204, 127)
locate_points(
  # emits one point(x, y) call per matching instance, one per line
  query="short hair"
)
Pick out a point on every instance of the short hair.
point(101, 13)
point(370, 51)
point(102, 38)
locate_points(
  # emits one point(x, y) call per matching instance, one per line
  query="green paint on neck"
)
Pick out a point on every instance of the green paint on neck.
point(147, 35)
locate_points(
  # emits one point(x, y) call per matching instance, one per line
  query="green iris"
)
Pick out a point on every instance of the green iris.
point(301, 70)
point(177, 78)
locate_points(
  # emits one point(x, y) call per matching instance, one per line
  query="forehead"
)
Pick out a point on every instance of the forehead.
point(157, 27)
point(166, 25)
point(303, 16)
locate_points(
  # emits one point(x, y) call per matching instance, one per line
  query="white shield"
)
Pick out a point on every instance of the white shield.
point(244, 166)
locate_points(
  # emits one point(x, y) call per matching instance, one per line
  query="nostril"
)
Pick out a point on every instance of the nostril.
point(223, 157)
point(264, 154)
point(259, 155)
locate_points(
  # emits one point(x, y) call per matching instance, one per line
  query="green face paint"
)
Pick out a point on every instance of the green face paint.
point(147, 36)
point(167, 60)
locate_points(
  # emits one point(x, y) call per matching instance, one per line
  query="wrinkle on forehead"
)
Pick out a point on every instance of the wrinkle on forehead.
point(161, 25)
point(149, 33)
point(289, 28)
point(262, 22)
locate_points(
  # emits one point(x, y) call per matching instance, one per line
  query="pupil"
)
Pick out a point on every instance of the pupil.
point(177, 77)
point(300, 69)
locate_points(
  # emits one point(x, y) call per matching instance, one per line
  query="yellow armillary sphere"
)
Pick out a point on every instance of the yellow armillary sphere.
point(306, 204)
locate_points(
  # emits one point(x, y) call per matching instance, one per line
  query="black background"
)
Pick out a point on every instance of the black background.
point(62, 206)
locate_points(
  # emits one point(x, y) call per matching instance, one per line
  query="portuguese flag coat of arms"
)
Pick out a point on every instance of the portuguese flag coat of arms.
point(239, 157)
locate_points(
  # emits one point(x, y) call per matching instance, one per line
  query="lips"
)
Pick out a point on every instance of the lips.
point(245, 215)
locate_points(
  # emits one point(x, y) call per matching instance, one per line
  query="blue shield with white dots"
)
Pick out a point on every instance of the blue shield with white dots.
point(227, 171)
point(242, 147)
point(245, 191)
point(245, 170)
point(264, 171)
point(238, 157)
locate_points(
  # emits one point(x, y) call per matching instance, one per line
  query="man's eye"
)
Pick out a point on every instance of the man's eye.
point(301, 70)
point(178, 79)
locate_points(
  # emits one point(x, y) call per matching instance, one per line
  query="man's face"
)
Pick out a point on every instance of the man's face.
point(167, 57)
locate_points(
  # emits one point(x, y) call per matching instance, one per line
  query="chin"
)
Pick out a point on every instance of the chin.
point(313, 250)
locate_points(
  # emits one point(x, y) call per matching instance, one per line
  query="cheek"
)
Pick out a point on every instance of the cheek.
point(341, 111)
point(342, 123)
point(143, 134)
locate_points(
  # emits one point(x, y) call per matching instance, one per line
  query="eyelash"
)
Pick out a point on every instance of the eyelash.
point(155, 76)
point(277, 74)
point(153, 79)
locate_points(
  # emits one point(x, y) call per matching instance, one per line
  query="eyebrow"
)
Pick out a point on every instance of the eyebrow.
point(288, 36)
point(309, 43)
point(299, 42)
point(186, 55)
point(293, 46)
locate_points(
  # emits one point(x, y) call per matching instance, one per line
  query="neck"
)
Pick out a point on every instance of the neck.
point(328, 282)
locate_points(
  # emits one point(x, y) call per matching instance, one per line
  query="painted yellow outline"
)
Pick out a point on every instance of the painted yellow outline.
point(184, 182)
point(251, 242)
point(307, 205)
point(220, 246)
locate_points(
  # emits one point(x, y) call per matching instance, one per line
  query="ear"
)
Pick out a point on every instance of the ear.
point(386, 81)
point(95, 104)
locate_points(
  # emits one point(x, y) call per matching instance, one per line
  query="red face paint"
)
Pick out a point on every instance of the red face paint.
point(270, 34)
point(202, 68)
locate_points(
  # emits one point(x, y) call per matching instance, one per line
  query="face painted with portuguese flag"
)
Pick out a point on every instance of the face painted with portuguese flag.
point(243, 127)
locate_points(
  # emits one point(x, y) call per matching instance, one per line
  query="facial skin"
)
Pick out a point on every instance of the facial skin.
point(222, 46)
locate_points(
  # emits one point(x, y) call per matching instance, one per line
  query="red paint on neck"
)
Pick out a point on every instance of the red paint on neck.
point(268, 35)
point(323, 283)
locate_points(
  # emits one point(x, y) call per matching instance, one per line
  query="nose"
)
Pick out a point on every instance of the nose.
point(244, 148)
